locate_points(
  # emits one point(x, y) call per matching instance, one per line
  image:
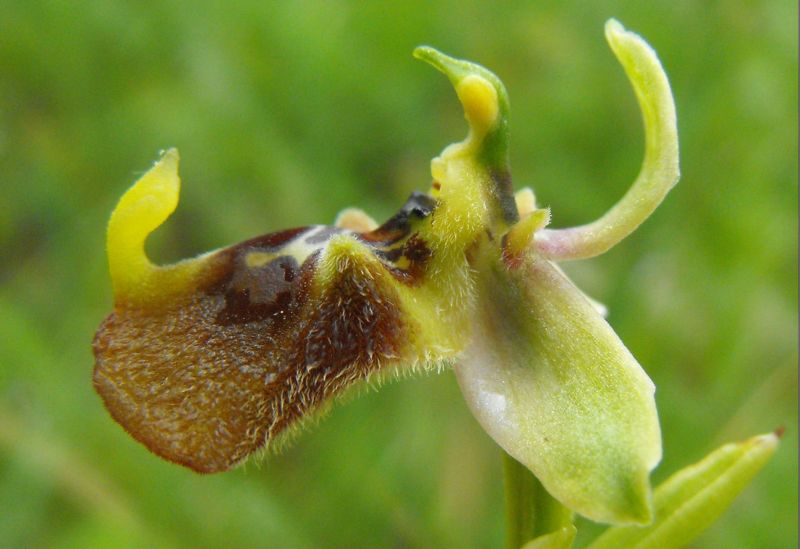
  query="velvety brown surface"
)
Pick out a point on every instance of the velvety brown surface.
point(207, 381)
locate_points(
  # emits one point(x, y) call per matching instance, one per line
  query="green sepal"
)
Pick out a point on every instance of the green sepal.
point(551, 382)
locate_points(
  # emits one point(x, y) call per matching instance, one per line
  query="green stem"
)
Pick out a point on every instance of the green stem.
point(530, 510)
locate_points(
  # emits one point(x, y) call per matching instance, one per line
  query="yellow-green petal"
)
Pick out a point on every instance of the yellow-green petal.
point(659, 172)
point(694, 497)
point(551, 382)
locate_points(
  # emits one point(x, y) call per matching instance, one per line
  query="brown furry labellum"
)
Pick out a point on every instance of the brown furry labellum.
point(266, 338)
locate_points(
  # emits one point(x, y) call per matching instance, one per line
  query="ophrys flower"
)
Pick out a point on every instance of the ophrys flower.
point(210, 359)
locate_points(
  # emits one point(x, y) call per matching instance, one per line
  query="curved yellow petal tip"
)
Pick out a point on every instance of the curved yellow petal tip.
point(142, 209)
point(616, 33)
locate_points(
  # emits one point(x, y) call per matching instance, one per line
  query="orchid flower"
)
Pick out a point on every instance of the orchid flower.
point(211, 359)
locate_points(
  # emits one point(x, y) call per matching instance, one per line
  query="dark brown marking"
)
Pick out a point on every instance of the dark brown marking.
point(323, 235)
point(504, 191)
point(391, 255)
point(436, 185)
point(417, 207)
point(418, 254)
point(272, 241)
point(231, 259)
point(258, 293)
point(416, 250)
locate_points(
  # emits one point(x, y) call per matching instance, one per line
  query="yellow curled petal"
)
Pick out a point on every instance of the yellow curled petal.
point(478, 166)
point(146, 205)
point(481, 93)
point(140, 211)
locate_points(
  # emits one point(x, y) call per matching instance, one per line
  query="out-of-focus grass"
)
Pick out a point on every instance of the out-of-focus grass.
point(285, 114)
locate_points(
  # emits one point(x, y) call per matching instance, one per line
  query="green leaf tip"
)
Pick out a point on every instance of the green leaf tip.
point(694, 497)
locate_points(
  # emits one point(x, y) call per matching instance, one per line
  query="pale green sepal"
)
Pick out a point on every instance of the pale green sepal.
point(659, 172)
point(694, 497)
point(551, 382)
point(560, 539)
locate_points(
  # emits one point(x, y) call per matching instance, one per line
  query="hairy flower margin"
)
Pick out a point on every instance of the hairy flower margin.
point(211, 359)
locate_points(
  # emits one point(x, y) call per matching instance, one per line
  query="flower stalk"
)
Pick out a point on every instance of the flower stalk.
point(531, 512)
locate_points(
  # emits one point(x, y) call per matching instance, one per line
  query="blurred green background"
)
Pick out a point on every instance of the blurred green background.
point(286, 113)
